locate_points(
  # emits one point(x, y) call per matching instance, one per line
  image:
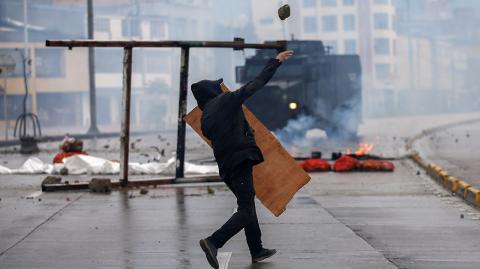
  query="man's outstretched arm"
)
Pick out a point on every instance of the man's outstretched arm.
point(265, 75)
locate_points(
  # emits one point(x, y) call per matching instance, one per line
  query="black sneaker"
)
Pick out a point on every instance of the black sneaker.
point(263, 254)
point(210, 251)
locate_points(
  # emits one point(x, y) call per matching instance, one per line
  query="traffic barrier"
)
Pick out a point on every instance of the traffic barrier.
point(472, 196)
point(443, 176)
point(462, 189)
point(451, 183)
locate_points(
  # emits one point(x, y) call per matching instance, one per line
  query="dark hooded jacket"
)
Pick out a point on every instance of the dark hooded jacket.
point(223, 121)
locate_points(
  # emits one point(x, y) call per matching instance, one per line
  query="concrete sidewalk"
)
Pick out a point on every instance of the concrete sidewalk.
point(408, 218)
point(162, 229)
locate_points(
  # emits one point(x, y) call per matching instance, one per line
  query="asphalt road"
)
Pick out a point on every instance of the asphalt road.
point(354, 220)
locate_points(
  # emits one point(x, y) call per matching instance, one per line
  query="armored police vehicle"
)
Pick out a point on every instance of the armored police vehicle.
point(313, 83)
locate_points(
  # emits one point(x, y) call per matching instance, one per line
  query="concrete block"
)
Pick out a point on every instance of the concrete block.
point(100, 185)
point(52, 180)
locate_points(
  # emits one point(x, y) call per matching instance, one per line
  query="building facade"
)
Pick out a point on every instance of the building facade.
point(412, 51)
point(58, 77)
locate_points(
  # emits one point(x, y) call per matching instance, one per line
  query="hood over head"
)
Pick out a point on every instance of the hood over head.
point(206, 90)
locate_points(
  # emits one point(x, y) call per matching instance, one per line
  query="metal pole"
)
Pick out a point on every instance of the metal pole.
point(125, 131)
point(182, 111)
point(25, 63)
point(91, 71)
point(5, 110)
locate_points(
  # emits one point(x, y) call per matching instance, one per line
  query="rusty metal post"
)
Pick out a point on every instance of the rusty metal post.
point(125, 131)
point(182, 111)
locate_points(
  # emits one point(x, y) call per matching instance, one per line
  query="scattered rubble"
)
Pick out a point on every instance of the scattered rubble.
point(64, 171)
point(143, 191)
point(210, 190)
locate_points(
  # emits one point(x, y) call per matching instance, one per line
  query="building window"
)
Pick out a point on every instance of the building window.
point(309, 3)
point(102, 25)
point(266, 21)
point(382, 46)
point(350, 46)
point(382, 71)
point(179, 28)
point(329, 3)
point(16, 55)
point(331, 46)
point(381, 2)
point(310, 24)
point(60, 108)
point(131, 27)
point(394, 23)
point(50, 62)
point(108, 60)
point(394, 47)
point(14, 106)
point(380, 21)
point(329, 23)
point(158, 29)
point(348, 2)
point(349, 22)
point(157, 60)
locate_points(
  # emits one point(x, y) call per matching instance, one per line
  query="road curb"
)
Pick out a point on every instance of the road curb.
point(456, 186)
point(472, 196)
point(461, 188)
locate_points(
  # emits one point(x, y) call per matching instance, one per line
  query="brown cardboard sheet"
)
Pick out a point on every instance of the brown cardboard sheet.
point(279, 177)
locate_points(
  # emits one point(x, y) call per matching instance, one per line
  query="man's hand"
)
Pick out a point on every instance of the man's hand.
point(284, 55)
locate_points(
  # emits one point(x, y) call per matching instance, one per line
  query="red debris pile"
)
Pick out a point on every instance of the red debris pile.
point(375, 165)
point(69, 147)
point(347, 163)
point(315, 165)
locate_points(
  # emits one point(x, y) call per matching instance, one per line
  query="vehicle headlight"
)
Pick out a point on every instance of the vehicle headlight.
point(292, 105)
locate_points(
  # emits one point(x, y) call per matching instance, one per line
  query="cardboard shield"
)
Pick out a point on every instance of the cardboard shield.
point(279, 177)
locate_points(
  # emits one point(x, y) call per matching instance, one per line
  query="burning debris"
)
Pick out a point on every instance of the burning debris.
point(360, 160)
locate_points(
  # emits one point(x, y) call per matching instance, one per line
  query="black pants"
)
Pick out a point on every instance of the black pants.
point(240, 183)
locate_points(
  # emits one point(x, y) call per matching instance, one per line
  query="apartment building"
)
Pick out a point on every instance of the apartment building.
point(58, 77)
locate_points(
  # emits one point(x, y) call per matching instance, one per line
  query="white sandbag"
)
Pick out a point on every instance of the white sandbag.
point(191, 168)
point(5, 170)
point(33, 165)
point(153, 168)
point(85, 164)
